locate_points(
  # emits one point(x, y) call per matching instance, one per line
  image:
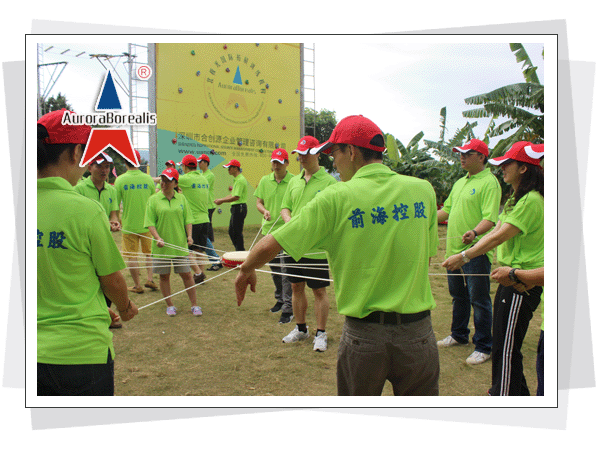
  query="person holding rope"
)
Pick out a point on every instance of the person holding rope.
point(519, 237)
point(379, 246)
point(78, 264)
point(523, 280)
point(196, 190)
point(269, 195)
point(203, 163)
point(471, 210)
point(97, 188)
point(301, 189)
point(134, 188)
point(239, 209)
point(169, 220)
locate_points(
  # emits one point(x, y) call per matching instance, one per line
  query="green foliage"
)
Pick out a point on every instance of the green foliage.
point(320, 125)
point(55, 104)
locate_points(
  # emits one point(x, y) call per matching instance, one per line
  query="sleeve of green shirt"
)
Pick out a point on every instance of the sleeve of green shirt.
point(114, 206)
point(150, 216)
point(238, 187)
point(105, 255)
point(293, 237)
point(490, 202)
point(526, 214)
point(258, 193)
point(188, 217)
point(448, 203)
point(286, 202)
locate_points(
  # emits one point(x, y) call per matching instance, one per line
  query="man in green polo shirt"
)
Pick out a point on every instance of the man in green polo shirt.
point(134, 188)
point(471, 210)
point(97, 188)
point(378, 246)
point(310, 269)
point(269, 195)
point(195, 187)
point(239, 209)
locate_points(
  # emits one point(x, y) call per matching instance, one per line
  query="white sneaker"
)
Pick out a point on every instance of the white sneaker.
point(295, 336)
point(320, 342)
point(171, 310)
point(449, 341)
point(478, 358)
point(196, 310)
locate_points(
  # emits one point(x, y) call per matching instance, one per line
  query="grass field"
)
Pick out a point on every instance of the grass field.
point(237, 351)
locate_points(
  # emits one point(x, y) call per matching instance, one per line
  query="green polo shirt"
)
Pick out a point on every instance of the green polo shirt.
point(378, 245)
point(471, 200)
point(107, 196)
point(210, 177)
point(299, 193)
point(195, 188)
point(169, 217)
point(526, 249)
point(271, 192)
point(134, 188)
point(74, 247)
point(240, 189)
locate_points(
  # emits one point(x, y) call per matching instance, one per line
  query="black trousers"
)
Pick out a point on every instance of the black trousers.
point(513, 311)
point(236, 225)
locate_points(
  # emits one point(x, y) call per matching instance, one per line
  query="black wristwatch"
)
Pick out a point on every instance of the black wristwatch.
point(512, 275)
point(475, 232)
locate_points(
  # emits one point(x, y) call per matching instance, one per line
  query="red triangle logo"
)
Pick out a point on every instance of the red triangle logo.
point(102, 138)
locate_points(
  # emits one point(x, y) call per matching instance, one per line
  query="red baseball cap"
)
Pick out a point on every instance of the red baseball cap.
point(170, 173)
point(279, 155)
point(204, 157)
point(63, 134)
point(170, 162)
point(233, 163)
point(189, 161)
point(137, 154)
point(305, 144)
point(101, 157)
point(355, 130)
point(521, 151)
point(474, 144)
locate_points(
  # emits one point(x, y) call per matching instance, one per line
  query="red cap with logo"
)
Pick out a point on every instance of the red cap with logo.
point(189, 161)
point(279, 155)
point(474, 144)
point(63, 134)
point(170, 173)
point(103, 157)
point(233, 163)
point(521, 151)
point(204, 157)
point(305, 144)
point(355, 130)
point(170, 162)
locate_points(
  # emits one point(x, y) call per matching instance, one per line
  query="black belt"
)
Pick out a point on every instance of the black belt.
point(392, 318)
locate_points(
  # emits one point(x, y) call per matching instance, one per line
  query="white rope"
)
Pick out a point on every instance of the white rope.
point(172, 295)
point(176, 247)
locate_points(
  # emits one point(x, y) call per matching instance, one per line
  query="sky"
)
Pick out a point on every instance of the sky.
point(400, 84)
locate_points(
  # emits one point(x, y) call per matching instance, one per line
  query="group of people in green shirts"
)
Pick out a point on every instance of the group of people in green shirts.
point(376, 230)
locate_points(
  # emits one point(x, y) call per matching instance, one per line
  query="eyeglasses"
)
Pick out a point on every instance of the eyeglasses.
point(332, 152)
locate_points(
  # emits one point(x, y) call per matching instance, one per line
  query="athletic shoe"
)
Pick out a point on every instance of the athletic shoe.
point(449, 341)
point(286, 317)
point(196, 310)
point(139, 290)
point(277, 307)
point(199, 278)
point(295, 336)
point(215, 267)
point(320, 342)
point(477, 358)
point(151, 285)
point(171, 310)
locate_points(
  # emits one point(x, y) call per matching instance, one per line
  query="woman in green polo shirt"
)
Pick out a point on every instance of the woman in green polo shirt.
point(169, 221)
point(519, 237)
point(78, 263)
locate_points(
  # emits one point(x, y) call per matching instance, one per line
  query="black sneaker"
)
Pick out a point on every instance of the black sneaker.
point(286, 317)
point(277, 307)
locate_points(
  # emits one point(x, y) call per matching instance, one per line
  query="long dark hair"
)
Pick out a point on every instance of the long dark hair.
point(48, 154)
point(532, 180)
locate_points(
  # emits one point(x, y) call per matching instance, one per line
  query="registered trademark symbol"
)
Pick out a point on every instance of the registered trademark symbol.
point(144, 72)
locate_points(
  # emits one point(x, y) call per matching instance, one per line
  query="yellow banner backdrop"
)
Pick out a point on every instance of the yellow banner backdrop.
point(229, 101)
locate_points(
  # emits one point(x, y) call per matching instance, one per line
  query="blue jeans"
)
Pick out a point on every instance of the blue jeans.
point(467, 291)
point(76, 379)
